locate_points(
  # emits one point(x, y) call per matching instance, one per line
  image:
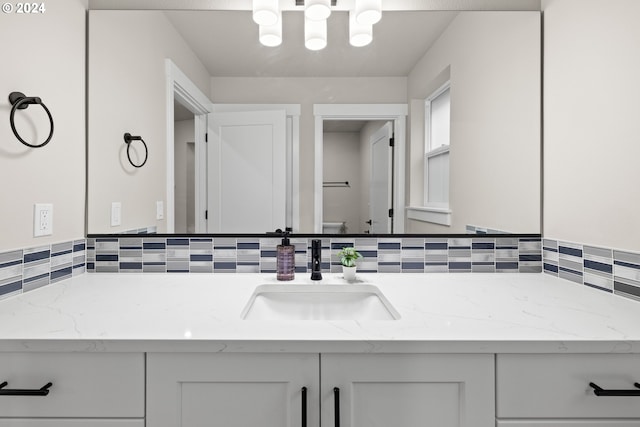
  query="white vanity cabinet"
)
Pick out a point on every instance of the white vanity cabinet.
point(226, 390)
point(545, 390)
point(86, 389)
point(192, 390)
point(408, 390)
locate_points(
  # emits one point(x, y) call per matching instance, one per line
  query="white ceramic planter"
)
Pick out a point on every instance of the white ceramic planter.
point(349, 273)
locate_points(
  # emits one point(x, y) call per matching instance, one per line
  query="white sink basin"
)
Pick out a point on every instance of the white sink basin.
point(318, 302)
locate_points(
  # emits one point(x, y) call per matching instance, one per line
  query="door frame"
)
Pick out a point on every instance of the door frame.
point(180, 87)
point(391, 112)
point(293, 152)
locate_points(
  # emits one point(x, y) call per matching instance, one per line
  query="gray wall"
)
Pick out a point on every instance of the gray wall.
point(184, 176)
point(34, 63)
point(123, 80)
point(495, 125)
point(342, 162)
point(591, 126)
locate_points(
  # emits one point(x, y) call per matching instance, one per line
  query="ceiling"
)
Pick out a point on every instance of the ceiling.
point(227, 44)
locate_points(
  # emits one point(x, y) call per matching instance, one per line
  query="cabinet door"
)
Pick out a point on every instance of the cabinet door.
point(408, 390)
point(231, 390)
point(556, 386)
point(84, 385)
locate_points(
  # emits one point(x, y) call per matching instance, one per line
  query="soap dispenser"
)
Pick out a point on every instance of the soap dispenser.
point(285, 257)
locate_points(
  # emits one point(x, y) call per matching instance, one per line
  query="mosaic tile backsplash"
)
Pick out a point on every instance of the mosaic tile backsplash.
point(609, 270)
point(151, 254)
point(26, 269)
point(606, 269)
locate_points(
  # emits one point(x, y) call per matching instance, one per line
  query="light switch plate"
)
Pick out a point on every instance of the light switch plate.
point(159, 209)
point(116, 214)
point(42, 219)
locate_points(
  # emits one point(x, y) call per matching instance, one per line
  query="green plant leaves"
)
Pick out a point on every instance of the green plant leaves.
point(348, 256)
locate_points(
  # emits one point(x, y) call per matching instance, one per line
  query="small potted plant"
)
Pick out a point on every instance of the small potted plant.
point(348, 257)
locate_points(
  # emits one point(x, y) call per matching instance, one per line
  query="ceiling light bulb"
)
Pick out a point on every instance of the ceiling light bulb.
point(368, 12)
point(317, 10)
point(359, 35)
point(265, 12)
point(271, 35)
point(315, 34)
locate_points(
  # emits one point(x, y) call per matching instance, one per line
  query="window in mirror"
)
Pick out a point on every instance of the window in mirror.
point(437, 132)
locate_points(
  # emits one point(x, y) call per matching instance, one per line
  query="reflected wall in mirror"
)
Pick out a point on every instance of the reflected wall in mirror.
point(491, 59)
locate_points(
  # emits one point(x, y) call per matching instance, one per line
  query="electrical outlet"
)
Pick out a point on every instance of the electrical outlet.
point(116, 214)
point(159, 209)
point(42, 219)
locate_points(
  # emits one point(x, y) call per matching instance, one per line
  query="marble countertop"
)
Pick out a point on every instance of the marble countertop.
point(470, 313)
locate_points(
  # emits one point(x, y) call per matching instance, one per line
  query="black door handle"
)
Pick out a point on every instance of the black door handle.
point(599, 391)
point(304, 407)
point(369, 222)
point(336, 402)
point(43, 391)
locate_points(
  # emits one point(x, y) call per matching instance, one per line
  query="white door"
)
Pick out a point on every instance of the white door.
point(381, 184)
point(232, 390)
point(407, 390)
point(246, 172)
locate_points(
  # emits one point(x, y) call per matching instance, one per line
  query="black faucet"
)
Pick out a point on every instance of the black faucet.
point(316, 252)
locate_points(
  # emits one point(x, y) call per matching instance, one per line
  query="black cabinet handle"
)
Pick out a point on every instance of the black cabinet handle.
point(336, 402)
point(43, 391)
point(599, 391)
point(304, 407)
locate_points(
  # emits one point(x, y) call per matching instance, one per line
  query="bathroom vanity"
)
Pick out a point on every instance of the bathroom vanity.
point(511, 350)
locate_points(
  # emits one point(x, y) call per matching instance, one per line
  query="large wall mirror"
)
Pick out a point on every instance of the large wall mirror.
point(245, 138)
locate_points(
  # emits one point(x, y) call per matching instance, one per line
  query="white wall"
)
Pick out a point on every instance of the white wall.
point(493, 61)
point(127, 94)
point(34, 63)
point(591, 122)
point(308, 91)
point(183, 175)
point(342, 162)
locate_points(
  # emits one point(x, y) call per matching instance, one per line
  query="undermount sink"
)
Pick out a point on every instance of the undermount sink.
point(318, 302)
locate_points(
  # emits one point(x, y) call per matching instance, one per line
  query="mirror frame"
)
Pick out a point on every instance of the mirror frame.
point(401, 5)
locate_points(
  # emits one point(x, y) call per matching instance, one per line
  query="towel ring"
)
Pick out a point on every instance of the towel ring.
point(21, 102)
point(128, 138)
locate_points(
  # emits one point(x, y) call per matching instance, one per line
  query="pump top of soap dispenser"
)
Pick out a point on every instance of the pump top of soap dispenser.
point(285, 235)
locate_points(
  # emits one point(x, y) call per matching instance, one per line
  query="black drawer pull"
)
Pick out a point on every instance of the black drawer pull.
point(43, 391)
point(599, 391)
point(336, 403)
point(304, 407)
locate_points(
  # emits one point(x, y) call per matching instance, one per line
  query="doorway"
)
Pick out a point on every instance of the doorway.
point(184, 169)
point(358, 179)
point(393, 114)
point(183, 92)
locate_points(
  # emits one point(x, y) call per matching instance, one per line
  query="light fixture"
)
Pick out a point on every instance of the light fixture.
point(317, 10)
point(315, 34)
point(359, 34)
point(271, 35)
point(266, 12)
point(368, 12)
